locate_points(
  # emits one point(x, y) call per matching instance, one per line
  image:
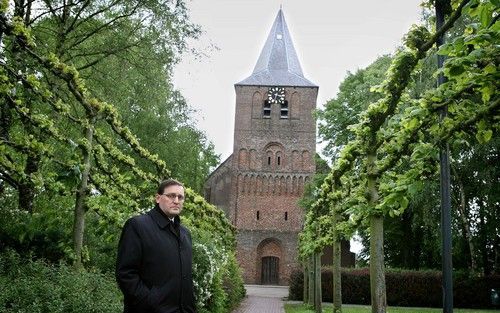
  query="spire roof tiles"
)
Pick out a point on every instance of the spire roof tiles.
point(278, 64)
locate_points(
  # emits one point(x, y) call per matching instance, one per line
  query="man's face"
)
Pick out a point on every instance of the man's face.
point(171, 200)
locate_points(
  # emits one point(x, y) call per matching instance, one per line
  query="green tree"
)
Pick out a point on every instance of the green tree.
point(354, 96)
point(397, 129)
point(126, 51)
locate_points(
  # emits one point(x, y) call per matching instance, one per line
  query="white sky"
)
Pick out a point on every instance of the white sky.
point(331, 37)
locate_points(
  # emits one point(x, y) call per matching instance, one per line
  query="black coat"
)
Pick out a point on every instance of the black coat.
point(153, 266)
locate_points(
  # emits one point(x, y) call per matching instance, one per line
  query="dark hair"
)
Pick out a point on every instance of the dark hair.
point(168, 182)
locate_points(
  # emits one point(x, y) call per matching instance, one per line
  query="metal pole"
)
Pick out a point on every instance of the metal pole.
point(447, 266)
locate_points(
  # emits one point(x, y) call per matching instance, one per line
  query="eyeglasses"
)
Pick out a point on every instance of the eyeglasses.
point(173, 196)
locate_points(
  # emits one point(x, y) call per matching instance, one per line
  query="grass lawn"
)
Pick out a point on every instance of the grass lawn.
point(301, 308)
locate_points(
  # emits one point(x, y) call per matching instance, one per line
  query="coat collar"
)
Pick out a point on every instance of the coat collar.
point(161, 219)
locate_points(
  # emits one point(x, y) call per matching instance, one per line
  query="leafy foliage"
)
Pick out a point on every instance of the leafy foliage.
point(36, 286)
point(90, 123)
point(403, 130)
point(394, 143)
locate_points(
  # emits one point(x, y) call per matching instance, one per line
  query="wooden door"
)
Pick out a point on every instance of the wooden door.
point(270, 270)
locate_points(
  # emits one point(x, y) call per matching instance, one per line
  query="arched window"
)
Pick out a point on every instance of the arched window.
point(279, 160)
point(274, 156)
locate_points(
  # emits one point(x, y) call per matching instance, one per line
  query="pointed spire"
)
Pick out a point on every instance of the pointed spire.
point(278, 64)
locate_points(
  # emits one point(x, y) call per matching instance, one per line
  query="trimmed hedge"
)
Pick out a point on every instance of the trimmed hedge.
point(404, 288)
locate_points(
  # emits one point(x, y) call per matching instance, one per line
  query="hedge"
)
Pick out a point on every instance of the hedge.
point(404, 288)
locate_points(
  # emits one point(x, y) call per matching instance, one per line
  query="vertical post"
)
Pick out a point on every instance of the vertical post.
point(447, 266)
point(337, 275)
point(311, 279)
point(306, 282)
point(317, 282)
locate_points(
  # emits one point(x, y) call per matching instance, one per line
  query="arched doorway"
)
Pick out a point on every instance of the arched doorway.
point(270, 270)
point(269, 255)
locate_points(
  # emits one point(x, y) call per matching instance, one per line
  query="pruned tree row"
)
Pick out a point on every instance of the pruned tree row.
point(392, 146)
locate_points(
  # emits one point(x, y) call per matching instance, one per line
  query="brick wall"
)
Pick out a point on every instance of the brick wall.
point(259, 185)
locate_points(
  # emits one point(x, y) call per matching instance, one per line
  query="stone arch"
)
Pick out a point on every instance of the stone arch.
point(269, 247)
point(306, 160)
point(240, 183)
point(306, 180)
point(243, 159)
point(245, 183)
point(294, 106)
point(256, 105)
point(288, 184)
point(282, 185)
point(252, 189)
point(269, 160)
point(296, 163)
point(265, 185)
point(277, 182)
point(278, 157)
point(276, 185)
point(271, 152)
point(259, 183)
point(300, 187)
point(253, 159)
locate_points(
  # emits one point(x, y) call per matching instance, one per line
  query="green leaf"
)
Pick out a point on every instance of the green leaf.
point(487, 135)
point(490, 69)
point(483, 134)
point(486, 92)
point(485, 16)
point(445, 49)
point(404, 203)
point(496, 26)
point(412, 123)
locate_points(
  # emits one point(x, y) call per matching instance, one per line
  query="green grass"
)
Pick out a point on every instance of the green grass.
point(301, 308)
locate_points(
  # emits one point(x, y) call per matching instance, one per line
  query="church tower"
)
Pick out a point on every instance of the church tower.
point(259, 185)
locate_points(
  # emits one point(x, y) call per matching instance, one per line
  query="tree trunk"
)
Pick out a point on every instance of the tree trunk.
point(483, 238)
point(317, 282)
point(81, 196)
point(305, 288)
point(5, 110)
point(26, 187)
point(337, 276)
point(377, 271)
point(310, 298)
point(465, 221)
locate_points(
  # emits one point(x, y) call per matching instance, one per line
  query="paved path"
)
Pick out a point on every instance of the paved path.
point(263, 299)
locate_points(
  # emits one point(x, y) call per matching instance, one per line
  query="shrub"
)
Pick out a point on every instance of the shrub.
point(217, 281)
point(403, 288)
point(296, 285)
point(36, 286)
point(233, 284)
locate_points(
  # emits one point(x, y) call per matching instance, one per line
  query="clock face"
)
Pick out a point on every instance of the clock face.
point(276, 95)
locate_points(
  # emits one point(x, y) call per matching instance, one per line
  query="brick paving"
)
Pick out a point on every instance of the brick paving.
point(263, 299)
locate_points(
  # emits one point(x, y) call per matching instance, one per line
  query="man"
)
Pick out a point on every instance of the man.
point(153, 266)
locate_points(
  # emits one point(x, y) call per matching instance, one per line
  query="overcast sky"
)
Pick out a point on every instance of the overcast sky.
point(331, 37)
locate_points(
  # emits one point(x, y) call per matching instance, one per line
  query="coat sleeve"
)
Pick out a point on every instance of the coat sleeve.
point(128, 263)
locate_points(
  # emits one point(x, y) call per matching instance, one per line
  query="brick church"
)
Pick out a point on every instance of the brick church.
point(258, 186)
